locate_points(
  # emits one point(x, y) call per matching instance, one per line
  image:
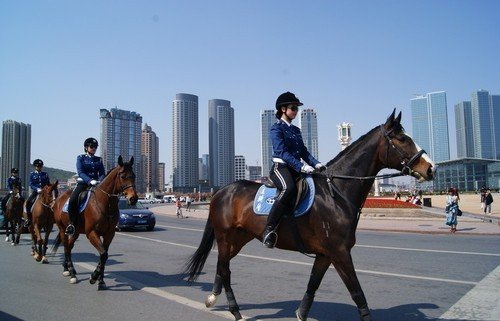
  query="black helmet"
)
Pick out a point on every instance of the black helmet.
point(287, 99)
point(14, 170)
point(37, 162)
point(90, 142)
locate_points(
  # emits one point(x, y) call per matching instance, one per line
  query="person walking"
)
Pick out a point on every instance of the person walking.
point(488, 199)
point(452, 209)
point(178, 210)
point(188, 203)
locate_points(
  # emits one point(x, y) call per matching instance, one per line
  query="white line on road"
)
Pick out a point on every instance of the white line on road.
point(481, 303)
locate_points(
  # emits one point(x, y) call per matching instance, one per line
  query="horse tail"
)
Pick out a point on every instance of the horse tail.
point(195, 264)
point(57, 242)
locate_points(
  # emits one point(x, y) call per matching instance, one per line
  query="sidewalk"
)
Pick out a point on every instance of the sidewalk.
point(428, 220)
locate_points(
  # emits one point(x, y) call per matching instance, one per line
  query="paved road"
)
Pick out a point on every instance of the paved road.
point(413, 277)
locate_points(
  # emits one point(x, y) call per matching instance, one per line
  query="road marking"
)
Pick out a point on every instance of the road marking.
point(167, 295)
point(482, 302)
point(406, 276)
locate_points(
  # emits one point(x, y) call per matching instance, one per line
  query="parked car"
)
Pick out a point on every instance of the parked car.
point(136, 215)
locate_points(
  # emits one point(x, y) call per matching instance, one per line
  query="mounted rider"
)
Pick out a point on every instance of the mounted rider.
point(38, 179)
point(290, 158)
point(90, 170)
point(11, 182)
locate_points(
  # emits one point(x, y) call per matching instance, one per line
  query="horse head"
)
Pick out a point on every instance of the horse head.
point(400, 151)
point(16, 189)
point(49, 193)
point(126, 180)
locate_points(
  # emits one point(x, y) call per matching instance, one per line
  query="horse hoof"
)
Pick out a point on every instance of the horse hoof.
point(92, 281)
point(7, 239)
point(298, 316)
point(210, 301)
point(73, 280)
point(38, 258)
point(13, 244)
point(65, 273)
point(102, 286)
point(45, 260)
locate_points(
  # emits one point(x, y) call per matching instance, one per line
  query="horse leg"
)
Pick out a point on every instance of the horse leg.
point(320, 266)
point(37, 239)
point(102, 248)
point(68, 246)
point(345, 268)
point(45, 243)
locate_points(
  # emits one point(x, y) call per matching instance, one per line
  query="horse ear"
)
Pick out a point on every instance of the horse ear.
point(398, 119)
point(131, 161)
point(120, 160)
point(390, 119)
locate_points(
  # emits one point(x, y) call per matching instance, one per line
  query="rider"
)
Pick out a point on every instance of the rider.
point(288, 150)
point(11, 181)
point(90, 171)
point(38, 180)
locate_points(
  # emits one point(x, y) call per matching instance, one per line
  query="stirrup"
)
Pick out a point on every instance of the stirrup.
point(70, 230)
point(270, 239)
point(26, 223)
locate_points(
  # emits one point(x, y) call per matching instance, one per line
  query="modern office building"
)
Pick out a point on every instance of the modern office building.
point(308, 122)
point(239, 167)
point(486, 124)
point(150, 160)
point(267, 119)
point(464, 133)
point(16, 151)
point(185, 173)
point(121, 135)
point(254, 173)
point(430, 124)
point(203, 161)
point(467, 174)
point(161, 177)
point(220, 142)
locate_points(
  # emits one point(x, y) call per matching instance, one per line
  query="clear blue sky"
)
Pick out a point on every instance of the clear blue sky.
point(353, 61)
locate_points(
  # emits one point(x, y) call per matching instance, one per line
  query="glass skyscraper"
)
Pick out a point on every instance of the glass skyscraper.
point(309, 129)
point(220, 142)
point(482, 121)
point(267, 119)
point(185, 173)
point(430, 124)
point(16, 151)
point(463, 125)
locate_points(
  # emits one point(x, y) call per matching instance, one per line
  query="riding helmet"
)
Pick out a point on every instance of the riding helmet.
point(37, 162)
point(287, 99)
point(14, 170)
point(90, 142)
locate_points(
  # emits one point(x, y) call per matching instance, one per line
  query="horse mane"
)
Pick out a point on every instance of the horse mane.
point(125, 165)
point(350, 147)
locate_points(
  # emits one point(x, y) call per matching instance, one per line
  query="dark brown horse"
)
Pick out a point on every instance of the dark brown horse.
point(43, 219)
point(13, 215)
point(98, 219)
point(328, 230)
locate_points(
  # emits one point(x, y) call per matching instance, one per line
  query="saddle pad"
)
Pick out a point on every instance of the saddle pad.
point(264, 199)
point(81, 206)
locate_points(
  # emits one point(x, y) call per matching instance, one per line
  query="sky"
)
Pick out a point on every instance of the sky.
point(352, 61)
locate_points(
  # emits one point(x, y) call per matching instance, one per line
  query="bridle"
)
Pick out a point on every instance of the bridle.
point(122, 189)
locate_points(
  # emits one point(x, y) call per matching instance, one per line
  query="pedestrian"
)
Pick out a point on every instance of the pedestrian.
point(38, 179)
point(188, 203)
point(178, 210)
point(452, 209)
point(290, 158)
point(488, 199)
point(483, 195)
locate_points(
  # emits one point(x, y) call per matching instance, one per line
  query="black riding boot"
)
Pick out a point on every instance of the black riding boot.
point(270, 236)
point(71, 228)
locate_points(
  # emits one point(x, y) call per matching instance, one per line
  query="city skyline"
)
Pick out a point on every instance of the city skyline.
point(57, 70)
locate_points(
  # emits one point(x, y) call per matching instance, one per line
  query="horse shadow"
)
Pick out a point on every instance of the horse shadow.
point(8, 317)
point(125, 280)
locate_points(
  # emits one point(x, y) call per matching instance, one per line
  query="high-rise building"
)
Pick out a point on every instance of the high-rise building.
point(203, 161)
point(185, 173)
point(254, 173)
point(220, 142)
point(150, 159)
point(463, 125)
point(267, 119)
point(16, 151)
point(121, 135)
point(161, 177)
point(309, 129)
point(495, 112)
point(430, 124)
point(484, 146)
point(239, 167)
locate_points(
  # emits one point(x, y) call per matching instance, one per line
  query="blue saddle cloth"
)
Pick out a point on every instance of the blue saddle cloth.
point(82, 204)
point(265, 196)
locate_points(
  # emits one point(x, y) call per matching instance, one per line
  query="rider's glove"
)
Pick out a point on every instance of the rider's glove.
point(38, 190)
point(307, 169)
point(93, 182)
point(320, 167)
point(11, 192)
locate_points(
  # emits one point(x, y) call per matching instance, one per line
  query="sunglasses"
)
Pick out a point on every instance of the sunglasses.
point(294, 108)
point(92, 146)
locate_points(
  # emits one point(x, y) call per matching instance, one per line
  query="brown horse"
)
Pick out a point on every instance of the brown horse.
point(98, 220)
point(328, 230)
point(13, 215)
point(43, 219)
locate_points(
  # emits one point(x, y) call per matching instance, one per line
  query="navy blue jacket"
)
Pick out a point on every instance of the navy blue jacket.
point(11, 180)
point(89, 168)
point(289, 146)
point(38, 180)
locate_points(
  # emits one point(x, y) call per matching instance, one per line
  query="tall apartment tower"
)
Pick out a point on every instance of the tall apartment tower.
point(430, 124)
point(267, 119)
point(16, 151)
point(150, 159)
point(121, 135)
point(185, 174)
point(203, 167)
point(486, 124)
point(463, 125)
point(239, 167)
point(220, 142)
point(161, 177)
point(309, 129)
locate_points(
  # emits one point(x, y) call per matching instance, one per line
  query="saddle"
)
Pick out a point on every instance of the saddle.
point(83, 200)
point(264, 199)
